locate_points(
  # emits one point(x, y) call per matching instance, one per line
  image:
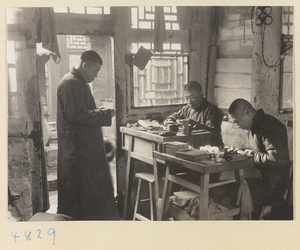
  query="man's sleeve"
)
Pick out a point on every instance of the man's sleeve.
point(177, 115)
point(275, 143)
point(76, 112)
point(213, 120)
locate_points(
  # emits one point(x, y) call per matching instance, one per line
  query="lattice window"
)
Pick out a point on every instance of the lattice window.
point(169, 48)
point(77, 42)
point(13, 91)
point(142, 17)
point(286, 92)
point(161, 82)
point(287, 22)
point(83, 10)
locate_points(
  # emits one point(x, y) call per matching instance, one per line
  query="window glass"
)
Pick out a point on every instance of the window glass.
point(286, 87)
point(162, 80)
point(143, 17)
point(83, 10)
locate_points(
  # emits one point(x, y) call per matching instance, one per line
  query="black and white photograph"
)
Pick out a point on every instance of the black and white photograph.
point(170, 116)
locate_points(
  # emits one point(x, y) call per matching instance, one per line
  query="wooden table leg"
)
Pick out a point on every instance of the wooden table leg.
point(158, 181)
point(156, 184)
point(203, 203)
point(165, 196)
point(128, 179)
point(239, 175)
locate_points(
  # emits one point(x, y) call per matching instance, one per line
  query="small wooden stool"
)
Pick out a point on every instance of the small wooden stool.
point(150, 179)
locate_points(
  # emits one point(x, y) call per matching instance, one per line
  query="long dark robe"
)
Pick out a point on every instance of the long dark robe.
point(85, 191)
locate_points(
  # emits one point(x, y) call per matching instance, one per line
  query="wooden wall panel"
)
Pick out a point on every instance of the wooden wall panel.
point(232, 81)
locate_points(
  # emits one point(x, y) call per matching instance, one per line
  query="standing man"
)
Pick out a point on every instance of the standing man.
point(268, 139)
point(201, 113)
point(85, 190)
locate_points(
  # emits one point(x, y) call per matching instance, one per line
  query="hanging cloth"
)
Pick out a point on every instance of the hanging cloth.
point(45, 25)
point(159, 29)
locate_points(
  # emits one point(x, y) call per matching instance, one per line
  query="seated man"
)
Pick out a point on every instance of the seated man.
point(201, 113)
point(268, 140)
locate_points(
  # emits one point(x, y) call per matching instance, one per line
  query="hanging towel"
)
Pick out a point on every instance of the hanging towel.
point(244, 201)
point(159, 29)
point(45, 24)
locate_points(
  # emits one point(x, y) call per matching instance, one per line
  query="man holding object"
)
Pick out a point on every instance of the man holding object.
point(85, 190)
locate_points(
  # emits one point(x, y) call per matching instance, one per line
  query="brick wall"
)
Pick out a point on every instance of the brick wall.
point(234, 59)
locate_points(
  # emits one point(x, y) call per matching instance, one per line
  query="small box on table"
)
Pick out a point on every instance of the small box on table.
point(195, 155)
point(175, 146)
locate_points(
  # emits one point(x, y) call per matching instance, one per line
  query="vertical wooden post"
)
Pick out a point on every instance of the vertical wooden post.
point(210, 87)
point(203, 30)
point(266, 79)
point(121, 50)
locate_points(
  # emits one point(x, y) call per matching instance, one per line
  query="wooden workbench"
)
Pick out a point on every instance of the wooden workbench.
point(237, 165)
point(141, 145)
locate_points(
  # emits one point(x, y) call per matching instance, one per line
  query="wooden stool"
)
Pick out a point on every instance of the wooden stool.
point(150, 179)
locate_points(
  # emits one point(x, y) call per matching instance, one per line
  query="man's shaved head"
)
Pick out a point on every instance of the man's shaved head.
point(242, 112)
point(239, 105)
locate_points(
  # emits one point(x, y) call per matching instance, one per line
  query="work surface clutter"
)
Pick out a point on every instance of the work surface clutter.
point(189, 200)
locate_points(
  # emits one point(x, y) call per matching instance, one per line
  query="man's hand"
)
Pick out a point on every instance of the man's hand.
point(196, 125)
point(112, 112)
point(168, 121)
point(249, 152)
point(192, 123)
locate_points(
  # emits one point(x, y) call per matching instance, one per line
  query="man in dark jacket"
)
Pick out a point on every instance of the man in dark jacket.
point(201, 113)
point(268, 139)
point(85, 190)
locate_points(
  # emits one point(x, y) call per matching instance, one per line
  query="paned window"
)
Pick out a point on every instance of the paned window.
point(77, 42)
point(143, 17)
point(161, 82)
point(286, 91)
point(83, 10)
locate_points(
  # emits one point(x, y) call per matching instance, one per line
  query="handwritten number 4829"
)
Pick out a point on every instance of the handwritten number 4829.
point(51, 232)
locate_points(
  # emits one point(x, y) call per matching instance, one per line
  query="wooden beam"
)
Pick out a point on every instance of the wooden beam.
point(77, 24)
point(210, 84)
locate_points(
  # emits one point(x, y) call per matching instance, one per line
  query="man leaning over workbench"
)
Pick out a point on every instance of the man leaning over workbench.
point(201, 113)
point(269, 145)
